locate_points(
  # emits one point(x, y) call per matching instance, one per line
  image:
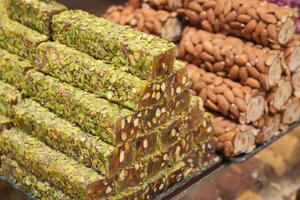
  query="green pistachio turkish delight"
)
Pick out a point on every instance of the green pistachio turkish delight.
point(145, 56)
point(39, 188)
point(69, 139)
point(13, 68)
point(9, 96)
point(3, 11)
point(5, 123)
point(19, 39)
point(60, 170)
point(104, 80)
point(95, 115)
point(36, 14)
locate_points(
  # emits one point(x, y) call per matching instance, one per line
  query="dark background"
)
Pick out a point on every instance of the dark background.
point(96, 7)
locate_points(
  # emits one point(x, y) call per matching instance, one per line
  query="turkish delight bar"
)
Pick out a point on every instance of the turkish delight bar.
point(39, 188)
point(230, 98)
point(233, 139)
point(292, 53)
point(252, 65)
point(104, 80)
point(36, 14)
point(153, 186)
point(69, 139)
point(5, 123)
point(9, 96)
point(164, 24)
point(13, 68)
point(145, 56)
point(19, 39)
point(95, 115)
point(60, 170)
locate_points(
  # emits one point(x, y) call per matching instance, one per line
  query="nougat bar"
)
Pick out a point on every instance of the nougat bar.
point(5, 123)
point(95, 115)
point(9, 96)
point(145, 56)
point(36, 14)
point(230, 98)
point(19, 39)
point(13, 68)
point(39, 188)
point(151, 187)
point(104, 80)
point(69, 139)
point(60, 170)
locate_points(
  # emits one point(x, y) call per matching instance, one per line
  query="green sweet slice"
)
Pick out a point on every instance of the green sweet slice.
point(95, 115)
point(19, 39)
point(5, 122)
point(3, 11)
point(145, 56)
point(13, 68)
point(36, 14)
point(9, 96)
point(39, 188)
point(58, 169)
point(104, 80)
point(69, 139)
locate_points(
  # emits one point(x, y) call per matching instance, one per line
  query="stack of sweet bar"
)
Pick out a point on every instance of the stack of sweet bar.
point(244, 61)
point(94, 110)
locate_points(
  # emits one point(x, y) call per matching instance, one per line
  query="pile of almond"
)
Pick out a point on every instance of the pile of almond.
point(244, 61)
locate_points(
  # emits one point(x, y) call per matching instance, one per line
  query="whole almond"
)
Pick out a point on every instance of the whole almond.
point(181, 49)
point(240, 103)
point(234, 72)
point(210, 105)
point(252, 71)
point(206, 26)
point(238, 93)
point(252, 13)
point(223, 103)
point(253, 83)
point(209, 4)
point(220, 89)
point(243, 74)
point(206, 79)
point(268, 18)
point(207, 57)
point(227, 7)
point(264, 37)
point(250, 27)
point(228, 94)
point(219, 7)
point(203, 94)
point(202, 16)
point(235, 111)
point(224, 123)
point(231, 83)
point(194, 6)
point(208, 47)
point(243, 18)
point(272, 32)
point(237, 25)
point(217, 53)
point(241, 59)
point(219, 66)
point(260, 64)
point(192, 16)
point(209, 66)
point(211, 96)
point(189, 47)
point(243, 9)
point(218, 130)
point(211, 16)
point(217, 26)
point(218, 81)
point(263, 79)
point(199, 86)
point(230, 17)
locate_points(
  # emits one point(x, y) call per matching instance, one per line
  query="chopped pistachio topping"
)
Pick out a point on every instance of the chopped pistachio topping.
point(146, 56)
point(39, 188)
point(60, 170)
point(36, 14)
